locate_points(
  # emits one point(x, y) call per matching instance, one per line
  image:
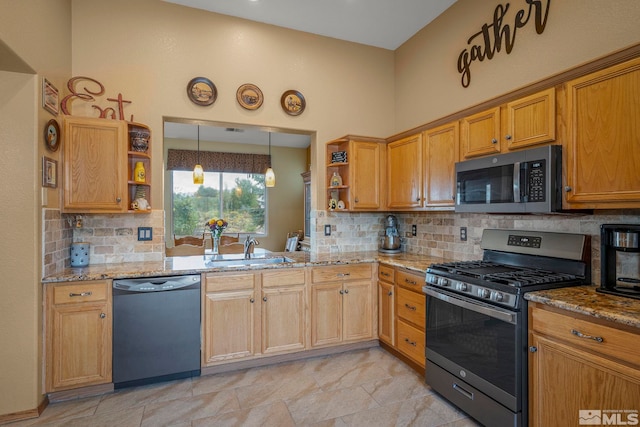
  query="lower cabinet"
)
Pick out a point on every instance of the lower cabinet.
point(386, 305)
point(78, 327)
point(411, 315)
point(582, 370)
point(342, 304)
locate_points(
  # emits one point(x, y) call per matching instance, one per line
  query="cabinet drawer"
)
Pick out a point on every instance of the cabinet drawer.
point(386, 273)
point(229, 281)
point(341, 273)
point(80, 292)
point(411, 342)
point(617, 343)
point(411, 306)
point(408, 280)
point(283, 277)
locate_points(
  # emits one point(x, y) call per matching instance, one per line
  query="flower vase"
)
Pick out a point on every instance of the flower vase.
point(216, 244)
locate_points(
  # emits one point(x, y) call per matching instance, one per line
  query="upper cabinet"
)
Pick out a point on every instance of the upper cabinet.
point(355, 167)
point(601, 151)
point(99, 166)
point(518, 124)
point(440, 156)
point(404, 177)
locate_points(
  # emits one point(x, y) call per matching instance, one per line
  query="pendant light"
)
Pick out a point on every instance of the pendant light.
point(269, 175)
point(198, 173)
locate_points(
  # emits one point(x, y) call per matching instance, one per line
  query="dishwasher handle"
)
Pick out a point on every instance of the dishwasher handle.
point(157, 284)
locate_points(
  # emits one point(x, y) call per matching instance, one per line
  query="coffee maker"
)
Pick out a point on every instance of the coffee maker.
point(391, 241)
point(620, 260)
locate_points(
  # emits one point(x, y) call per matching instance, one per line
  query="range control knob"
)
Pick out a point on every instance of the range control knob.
point(461, 286)
point(497, 296)
point(483, 293)
point(443, 282)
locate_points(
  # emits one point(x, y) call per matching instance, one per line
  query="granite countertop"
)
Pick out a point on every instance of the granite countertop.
point(200, 264)
point(585, 300)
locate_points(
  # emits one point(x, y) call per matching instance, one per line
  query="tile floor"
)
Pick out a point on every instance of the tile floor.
point(358, 388)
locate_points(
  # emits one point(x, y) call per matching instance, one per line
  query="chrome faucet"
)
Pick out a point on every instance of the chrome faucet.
point(247, 246)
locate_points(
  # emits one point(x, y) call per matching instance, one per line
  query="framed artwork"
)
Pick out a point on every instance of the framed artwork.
point(49, 172)
point(202, 91)
point(293, 102)
point(52, 135)
point(249, 96)
point(49, 97)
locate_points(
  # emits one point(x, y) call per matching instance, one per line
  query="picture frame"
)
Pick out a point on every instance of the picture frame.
point(52, 135)
point(249, 96)
point(50, 97)
point(49, 172)
point(202, 91)
point(293, 103)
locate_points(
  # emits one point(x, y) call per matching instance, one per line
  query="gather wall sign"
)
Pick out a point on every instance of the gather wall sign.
point(498, 34)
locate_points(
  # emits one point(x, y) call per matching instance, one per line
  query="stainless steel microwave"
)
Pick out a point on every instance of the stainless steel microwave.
point(526, 181)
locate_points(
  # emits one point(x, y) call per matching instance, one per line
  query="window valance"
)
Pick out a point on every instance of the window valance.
point(185, 160)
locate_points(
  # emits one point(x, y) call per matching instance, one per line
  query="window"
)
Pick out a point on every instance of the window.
point(239, 198)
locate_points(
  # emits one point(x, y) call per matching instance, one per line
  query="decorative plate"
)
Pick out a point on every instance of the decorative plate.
point(52, 135)
point(293, 102)
point(202, 91)
point(249, 96)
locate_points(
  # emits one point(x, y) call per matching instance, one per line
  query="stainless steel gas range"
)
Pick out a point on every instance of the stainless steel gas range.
point(476, 321)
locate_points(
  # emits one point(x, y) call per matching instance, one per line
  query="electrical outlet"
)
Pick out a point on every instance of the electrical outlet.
point(414, 230)
point(463, 234)
point(327, 230)
point(145, 233)
point(407, 234)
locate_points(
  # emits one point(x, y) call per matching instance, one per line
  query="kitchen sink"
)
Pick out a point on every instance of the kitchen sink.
point(214, 261)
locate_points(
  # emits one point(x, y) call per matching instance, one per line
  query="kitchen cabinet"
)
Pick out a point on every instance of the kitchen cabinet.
point(601, 152)
point(404, 177)
point(342, 304)
point(411, 315)
point(527, 121)
point(230, 316)
point(98, 166)
point(386, 304)
point(284, 311)
point(580, 363)
point(441, 152)
point(361, 172)
point(78, 331)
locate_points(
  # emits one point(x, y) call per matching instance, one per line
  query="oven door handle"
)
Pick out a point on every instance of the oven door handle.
point(496, 313)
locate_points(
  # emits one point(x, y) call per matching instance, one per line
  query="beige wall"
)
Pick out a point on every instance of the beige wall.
point(427, 82)
point(38, 33)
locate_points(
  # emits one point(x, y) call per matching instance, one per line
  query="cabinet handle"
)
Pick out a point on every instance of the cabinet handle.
point(346, 291)
point(356, 200)
point(252, 300)
point(81, 294)
point(390, 293)
point(102, 315)
point(344, 274)
point(567, 189)
point(264, 299)
point(508, 137)
point(410, 307)
point(411, 282)
point(417, 199)
point(413, 343)
point(118, 199)
point(383, 273)
point(341, 292)
point(589, 337)
point(494, 141)
point(533, 349)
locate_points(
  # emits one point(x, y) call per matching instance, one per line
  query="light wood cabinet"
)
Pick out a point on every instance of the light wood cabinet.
point(98, 165)
point(480, 134)
point(342, 304)
point(601, 151)
point(230, 316)
point(441, 152)
point(580, 363)
point(411, 315)
point(361, 172)
point(78, 332)
point(386, 305)
point(405, 176)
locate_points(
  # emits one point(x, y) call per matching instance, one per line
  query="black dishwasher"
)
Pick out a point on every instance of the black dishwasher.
point(156, 329)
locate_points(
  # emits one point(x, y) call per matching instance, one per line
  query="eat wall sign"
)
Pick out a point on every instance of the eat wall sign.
point(498, 34)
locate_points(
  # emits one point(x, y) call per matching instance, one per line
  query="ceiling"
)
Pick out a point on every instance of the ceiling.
point(380, 23)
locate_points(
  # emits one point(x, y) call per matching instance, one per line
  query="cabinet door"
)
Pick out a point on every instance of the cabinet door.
point(283, 319)
point(441, 152)
point(601, 150)
point(365, 182)
point(565, 381)
point(531, 120)
point(404, 177)
point(326, 314)
point(357, 311)
point(229, 325)
point(78, 335)
point(480, 134)
point(94, 165)
point(386, 312)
